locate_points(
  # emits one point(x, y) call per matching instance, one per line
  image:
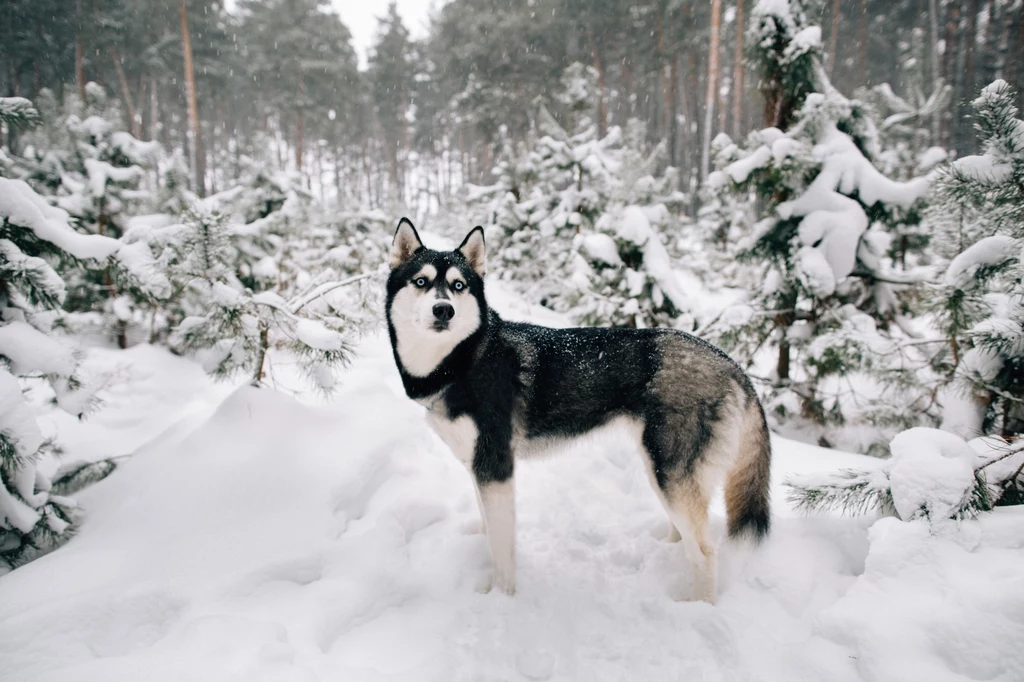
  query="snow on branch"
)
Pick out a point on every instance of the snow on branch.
point(18, 111)
point(22, 207)
point(933, 474)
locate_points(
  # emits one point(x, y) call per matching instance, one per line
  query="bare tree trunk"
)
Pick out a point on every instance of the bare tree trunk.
point(1015, 61)
point(738, 74)
point(663, 73)
point(627, 78)
point(154, 108)
point(712, 94)
point(602, 106)
point(319, 158)
point(949, 59)
point(299, 122)
point(833, 38)
point(933, 21)
point(79, 53)
point(990, 46)
point(673, 110)
point(369, 176)
point(337, 175)
point(37, 76)
point(198, 152)
point(862, 48)
point(261, 354)
point(134, 124)
point(971, 38)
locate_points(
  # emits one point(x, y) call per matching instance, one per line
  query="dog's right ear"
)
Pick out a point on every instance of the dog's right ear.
point(405, 244)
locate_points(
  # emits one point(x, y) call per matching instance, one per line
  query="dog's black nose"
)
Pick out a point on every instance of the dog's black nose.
point(444, 311)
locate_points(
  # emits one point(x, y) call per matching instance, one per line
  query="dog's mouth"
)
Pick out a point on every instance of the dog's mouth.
point(440, 325)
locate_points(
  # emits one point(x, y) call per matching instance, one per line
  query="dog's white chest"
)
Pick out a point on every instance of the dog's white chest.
point(458, 434)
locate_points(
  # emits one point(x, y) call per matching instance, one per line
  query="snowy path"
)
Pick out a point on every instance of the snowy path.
point(268, 539)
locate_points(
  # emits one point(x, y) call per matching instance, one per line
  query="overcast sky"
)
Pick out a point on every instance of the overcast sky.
point(361, 18)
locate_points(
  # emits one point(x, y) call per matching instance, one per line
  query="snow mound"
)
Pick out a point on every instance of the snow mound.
point(932, 473)
point(270, 539)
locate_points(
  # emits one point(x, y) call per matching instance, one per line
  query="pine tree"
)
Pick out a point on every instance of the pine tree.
point(826, 296)
point(35, 516)
point(231, 328)
point(979, 212)
point(97, 172)
point(578, 218)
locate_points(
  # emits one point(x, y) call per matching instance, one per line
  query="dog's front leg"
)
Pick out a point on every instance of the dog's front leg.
point(498, 499)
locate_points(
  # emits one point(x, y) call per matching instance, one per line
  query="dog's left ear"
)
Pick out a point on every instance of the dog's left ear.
point(405, 243)
point(473, 248)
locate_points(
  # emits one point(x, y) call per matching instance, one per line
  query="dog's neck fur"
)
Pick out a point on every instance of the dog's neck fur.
point(455, 365)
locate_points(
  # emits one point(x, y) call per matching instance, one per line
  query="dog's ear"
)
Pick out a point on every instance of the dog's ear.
point(472, 247)
point(405, 243)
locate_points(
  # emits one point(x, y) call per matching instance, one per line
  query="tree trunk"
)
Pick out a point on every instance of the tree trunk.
point(299, 122)
point(933, 21)
point(403, 139)
point(782, 364)
point(198, 152)
point(738, 74)
point(627, 78)
point(602, 106)
point(673, 111)
point(663, 73)
point(261, 354)
point(712, 93)
point(134, 124)
point(949, 59)
point(79, 53)
point(862, 48)
point(971, 38)
point(1015, 61)
point(991, 42)
point(154, 109)
point(833, 38)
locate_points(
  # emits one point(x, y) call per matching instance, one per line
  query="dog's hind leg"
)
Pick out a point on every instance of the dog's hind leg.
point(688, 452)
point(687, 507)
point(498, 500)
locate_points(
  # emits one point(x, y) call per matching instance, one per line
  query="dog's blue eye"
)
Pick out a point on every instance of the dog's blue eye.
point(420, 282)
point(458, 286)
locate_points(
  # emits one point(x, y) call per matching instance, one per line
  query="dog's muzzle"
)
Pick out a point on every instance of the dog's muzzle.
point(443, 313)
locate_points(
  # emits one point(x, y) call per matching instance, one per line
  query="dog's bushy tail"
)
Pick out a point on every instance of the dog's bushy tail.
point(747, 485)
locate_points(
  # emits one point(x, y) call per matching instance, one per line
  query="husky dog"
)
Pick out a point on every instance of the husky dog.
point(495, 390)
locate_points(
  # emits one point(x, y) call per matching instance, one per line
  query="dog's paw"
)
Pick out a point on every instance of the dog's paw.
point(505, 583)
point(489, 583)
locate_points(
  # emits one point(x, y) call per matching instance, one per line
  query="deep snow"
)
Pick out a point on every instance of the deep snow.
point(257, 536)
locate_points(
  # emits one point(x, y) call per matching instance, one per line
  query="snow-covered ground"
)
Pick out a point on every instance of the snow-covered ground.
point(261, 535)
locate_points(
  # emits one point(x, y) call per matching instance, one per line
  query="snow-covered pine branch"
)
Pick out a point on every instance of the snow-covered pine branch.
point(932, 474)
point(18, 111)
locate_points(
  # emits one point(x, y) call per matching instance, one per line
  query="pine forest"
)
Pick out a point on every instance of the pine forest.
point(197, 204)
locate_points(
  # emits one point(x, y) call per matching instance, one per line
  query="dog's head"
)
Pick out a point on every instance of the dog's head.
point(435, 299)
